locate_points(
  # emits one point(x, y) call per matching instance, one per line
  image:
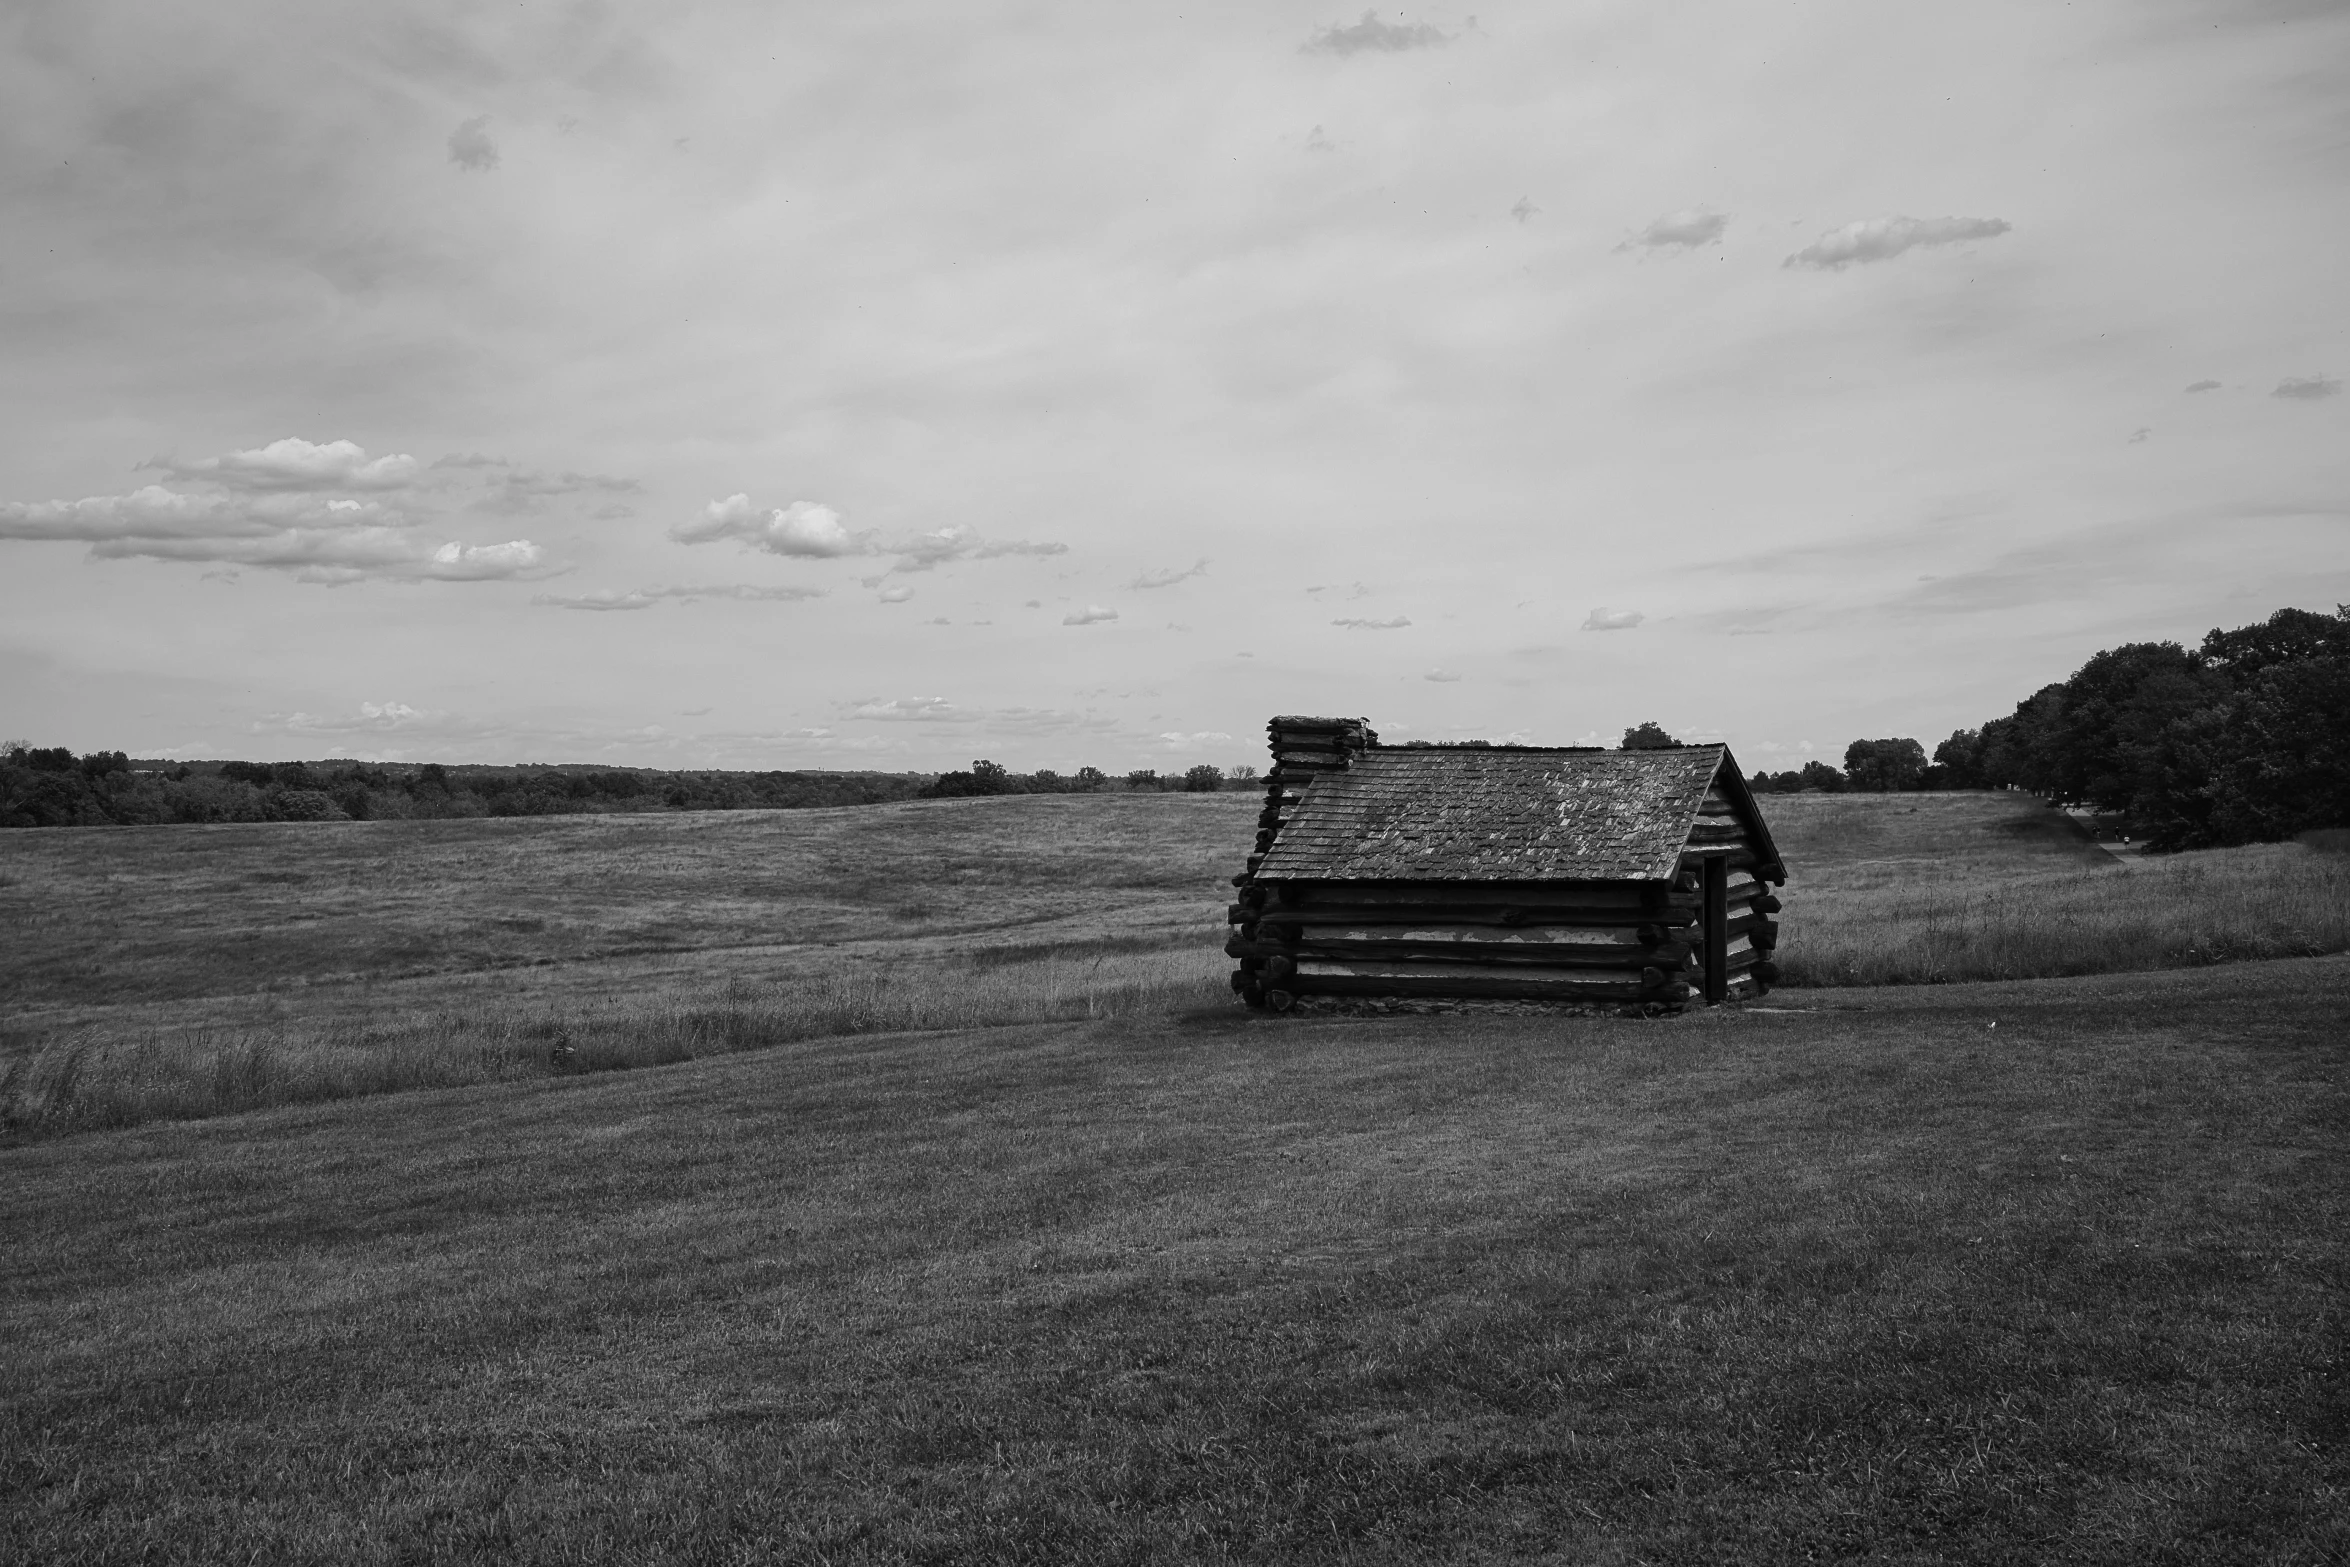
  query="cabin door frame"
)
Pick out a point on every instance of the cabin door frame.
point(1714, 883)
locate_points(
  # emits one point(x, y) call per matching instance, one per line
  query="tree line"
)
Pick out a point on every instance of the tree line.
point(987, 777)
point(2243, 739)
point(51, 787)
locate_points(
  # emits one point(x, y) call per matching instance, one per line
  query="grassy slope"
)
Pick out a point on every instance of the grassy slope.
point(1913, 889)
point(1877, 1281)
point(174, 912)
point(132, 928)
point(175, 972)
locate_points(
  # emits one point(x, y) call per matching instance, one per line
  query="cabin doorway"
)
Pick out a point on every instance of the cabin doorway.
point(1715, 881)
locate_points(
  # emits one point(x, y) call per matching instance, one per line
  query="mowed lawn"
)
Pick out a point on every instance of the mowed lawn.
point(2030, 1272)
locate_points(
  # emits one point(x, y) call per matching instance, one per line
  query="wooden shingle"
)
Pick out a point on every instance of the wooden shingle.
point(1502, 814)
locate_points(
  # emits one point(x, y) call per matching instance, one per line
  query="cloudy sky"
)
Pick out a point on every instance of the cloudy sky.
point(894, 384)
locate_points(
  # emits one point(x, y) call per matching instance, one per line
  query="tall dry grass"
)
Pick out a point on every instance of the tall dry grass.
point(80, 1082)
point(1912, 924)
point(1943, 911)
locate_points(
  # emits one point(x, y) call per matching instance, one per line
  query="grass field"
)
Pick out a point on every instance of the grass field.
point(1926, 889)
point(967, 1218)
point(2048, 1271)
point(160, 973)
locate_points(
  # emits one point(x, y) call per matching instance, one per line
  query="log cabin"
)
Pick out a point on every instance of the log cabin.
point(1640, 880)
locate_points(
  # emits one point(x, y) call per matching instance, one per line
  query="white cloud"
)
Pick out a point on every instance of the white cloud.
point(273, 508)
point(454, 562)
point(2308, 387)
point(1167, 578)
point(371, 718)
point(333, 554)
point(153, 512)
point(1443, 677)
point(1604, 619)
point(896, 595)
point(748, 592)
point(1048, 720)
point(1175, 740)
point(470, 146)
point(1881, 239)
point(646, 598)
point(911, 710)
point(1683, 230)
point(1091, 615)
point(518, 491)
point(296, 464)
point(1358, 623)
point(1373, 36)
point(925, 550)
point(804, 528)
point(813, 531)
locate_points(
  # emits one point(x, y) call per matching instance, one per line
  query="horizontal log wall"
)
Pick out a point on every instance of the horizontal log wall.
point(1608, 942)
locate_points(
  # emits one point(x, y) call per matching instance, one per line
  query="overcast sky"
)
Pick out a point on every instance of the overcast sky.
point(895, 384)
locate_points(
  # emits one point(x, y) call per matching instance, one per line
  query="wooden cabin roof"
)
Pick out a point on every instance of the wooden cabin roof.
point(1507, 814)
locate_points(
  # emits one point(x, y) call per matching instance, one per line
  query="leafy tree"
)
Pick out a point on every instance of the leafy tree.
point(1203, 779)
point(303, 805)
point(1813, 777)
point(985, 777)
point(1143, 779)
point(1958, 762)
point(2284, 754)
point(1090, 779)
point(2114, 706)
point(1881, 766)
point(1045, 781)
point(2287, 637)
point(1648, 737)
point(2238, 741)
point(2017, 750)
